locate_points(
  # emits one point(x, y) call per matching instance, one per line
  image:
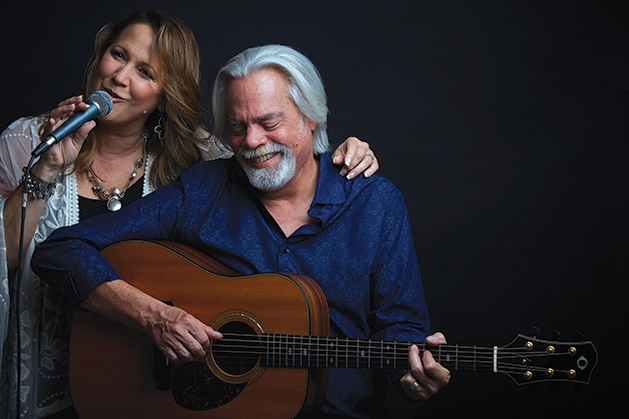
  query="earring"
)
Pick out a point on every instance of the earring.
point(159, 128)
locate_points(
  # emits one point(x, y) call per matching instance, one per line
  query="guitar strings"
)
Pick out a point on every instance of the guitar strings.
point(282, 350)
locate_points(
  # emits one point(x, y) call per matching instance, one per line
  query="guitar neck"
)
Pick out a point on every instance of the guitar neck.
point(525, 359)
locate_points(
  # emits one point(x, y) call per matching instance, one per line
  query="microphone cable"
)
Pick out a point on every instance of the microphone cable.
point(18, 284)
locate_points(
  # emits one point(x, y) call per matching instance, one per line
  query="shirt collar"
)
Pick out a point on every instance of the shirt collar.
point(330, 185)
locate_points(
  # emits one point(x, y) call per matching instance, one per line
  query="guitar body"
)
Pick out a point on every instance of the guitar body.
point(112, 366)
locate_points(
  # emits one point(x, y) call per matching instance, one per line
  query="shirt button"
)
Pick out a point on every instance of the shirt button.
point(286, 250)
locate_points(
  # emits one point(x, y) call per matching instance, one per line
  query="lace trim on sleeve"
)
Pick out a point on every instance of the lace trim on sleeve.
point(16, 144)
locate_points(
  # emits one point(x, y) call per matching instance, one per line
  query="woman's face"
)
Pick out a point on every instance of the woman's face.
point(129, 73)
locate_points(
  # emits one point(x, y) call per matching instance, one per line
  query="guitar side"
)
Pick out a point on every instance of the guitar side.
point(112, 365)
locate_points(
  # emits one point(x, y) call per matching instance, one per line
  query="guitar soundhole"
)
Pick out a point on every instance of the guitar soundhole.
point(196, 387)
point(239, 350)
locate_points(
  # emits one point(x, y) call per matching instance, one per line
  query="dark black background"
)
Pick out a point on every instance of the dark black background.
point(503, 122)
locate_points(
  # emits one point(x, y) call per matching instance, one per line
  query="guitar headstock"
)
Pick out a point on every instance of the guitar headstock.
point(530, 360)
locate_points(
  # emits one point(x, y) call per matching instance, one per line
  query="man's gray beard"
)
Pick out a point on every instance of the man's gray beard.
point(271, 178)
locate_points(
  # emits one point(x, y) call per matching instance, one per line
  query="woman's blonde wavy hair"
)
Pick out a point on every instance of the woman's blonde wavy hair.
point(176, 49)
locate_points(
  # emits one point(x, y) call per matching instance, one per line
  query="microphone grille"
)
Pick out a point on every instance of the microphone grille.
point(102, 100)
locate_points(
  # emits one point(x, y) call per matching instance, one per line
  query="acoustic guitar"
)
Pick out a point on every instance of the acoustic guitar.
point(274, 356)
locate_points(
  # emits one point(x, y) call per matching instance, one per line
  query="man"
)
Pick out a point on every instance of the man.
point(278, 206)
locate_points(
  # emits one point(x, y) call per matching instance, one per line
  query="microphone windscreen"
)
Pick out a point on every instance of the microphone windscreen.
point(102, 100)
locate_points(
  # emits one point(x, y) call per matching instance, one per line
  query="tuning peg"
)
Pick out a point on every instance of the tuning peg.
point(535, 331)
point(556, 335)
point(578, 337)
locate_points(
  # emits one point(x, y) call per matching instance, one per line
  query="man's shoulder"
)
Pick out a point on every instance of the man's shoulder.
point(376, 184)
point(219, 168)
point(205, 180)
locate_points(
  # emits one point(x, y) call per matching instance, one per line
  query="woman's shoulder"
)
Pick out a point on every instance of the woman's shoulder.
point(17, 142)
point(25, 128)
point(212, 147)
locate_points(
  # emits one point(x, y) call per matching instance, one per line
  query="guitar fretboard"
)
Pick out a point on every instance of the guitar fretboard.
point(296, 351)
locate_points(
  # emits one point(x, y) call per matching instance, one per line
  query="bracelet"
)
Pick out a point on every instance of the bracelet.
point(37, 186)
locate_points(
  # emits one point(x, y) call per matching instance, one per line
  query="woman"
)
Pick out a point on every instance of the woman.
point(148, 62)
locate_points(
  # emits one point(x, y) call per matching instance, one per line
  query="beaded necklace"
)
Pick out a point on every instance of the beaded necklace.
point(114, 200)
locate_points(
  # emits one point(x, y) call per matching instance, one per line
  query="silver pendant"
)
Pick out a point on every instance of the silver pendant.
point(113, 203)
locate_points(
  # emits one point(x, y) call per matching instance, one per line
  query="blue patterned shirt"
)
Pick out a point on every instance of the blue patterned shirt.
point(360, 252)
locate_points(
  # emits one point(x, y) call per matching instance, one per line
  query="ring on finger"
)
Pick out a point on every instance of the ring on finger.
point(414, 386)
point(370, 155)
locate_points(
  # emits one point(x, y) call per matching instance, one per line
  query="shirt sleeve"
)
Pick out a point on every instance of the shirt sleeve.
point(213, 148)
point(70, 260)
point(399, 309)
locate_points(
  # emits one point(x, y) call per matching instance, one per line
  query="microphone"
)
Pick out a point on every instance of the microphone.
point(99, 103)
